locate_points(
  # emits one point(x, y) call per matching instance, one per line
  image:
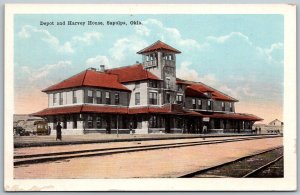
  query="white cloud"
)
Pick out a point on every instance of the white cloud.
point(186, 72)
point(163, 32)
point(44, 71)
point(224, 38)
point(142, 30)
point(87, 38)
point(124, 46)
point(98, 60)
point(272, 52)
point(68, 47)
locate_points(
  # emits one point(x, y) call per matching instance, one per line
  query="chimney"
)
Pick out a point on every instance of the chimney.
point(137, 62)
point(102, 68)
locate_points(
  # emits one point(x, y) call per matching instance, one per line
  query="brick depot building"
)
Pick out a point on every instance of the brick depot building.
point(142, 98)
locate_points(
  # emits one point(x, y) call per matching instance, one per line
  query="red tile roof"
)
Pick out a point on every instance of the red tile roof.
point(158, 45)
point(81, 109)
point(104, 109)
point(166, 109)
point(235, 116)
point(58, 111)
point(197, 89)
point(89, 78)
point(135, 72)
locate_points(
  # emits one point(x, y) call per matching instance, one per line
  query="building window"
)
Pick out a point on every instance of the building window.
point(168, 98)
point(154, 122)
point(151, 57)
point(107, 97)
point(223, 106)
point(61, 100)
point(168, 83)
point(209, 105)
point(153, 84)
point(179, 99)
point(98, 97)
point(199, 104)
point(137, 98)
point(194, 103)
point(54, 98)
point(137, 85)
point(74, 97)
point(99, 122)
point(90, 96)
point(90, 122)
point(153, 98)
point(74, 122)
point(230, 105)
point(168, 57)
point(117, 99)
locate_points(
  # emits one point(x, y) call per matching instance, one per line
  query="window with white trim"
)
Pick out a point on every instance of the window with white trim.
point(137, 98)
point(199, 104)
point(98, 97)
point(90, 96)
point(179, 99)
point(107, 97)
point(54, 98)
point(117, 98)
point(194, 103)
point(153, 98)
point(61, 100)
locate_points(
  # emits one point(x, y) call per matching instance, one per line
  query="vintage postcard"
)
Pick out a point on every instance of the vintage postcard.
point(151, 97)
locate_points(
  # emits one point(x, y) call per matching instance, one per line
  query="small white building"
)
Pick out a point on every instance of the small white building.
point(275, 126)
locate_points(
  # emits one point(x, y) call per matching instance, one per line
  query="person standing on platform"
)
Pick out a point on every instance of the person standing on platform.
point(58, 132)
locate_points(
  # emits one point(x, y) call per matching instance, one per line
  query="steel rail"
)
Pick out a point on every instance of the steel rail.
point(197, 172)
point(39, 158)
point(262, 167)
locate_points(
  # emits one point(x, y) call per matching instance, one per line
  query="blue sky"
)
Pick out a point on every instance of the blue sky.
point(241, 55)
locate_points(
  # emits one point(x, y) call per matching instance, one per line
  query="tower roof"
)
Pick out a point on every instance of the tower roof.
point(158, 45)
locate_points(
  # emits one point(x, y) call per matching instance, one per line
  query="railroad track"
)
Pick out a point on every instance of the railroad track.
point(249, 166)
point(47, 157)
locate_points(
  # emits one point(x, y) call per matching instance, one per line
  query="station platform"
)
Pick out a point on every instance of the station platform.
point(39, 141)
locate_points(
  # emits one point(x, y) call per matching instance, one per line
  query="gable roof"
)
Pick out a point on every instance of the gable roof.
point(131, 73)
point(158, 45)
point(90, 78)
point(197, 89)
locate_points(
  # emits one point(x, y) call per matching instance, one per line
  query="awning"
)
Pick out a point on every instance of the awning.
point(234, 116)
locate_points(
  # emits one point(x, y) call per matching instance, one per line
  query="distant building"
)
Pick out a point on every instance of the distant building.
point(275, 126)
point(27, 122)
point(142, 98)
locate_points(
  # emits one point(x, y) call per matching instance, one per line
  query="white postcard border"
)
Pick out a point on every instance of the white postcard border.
point(203, 184)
